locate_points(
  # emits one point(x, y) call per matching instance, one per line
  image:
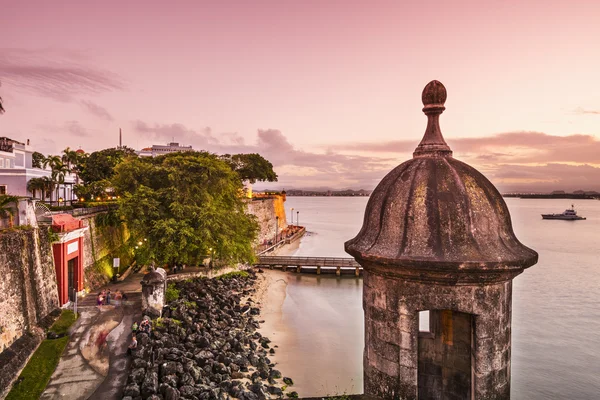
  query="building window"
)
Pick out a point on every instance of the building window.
point(3, 189)
point(1, 162)
point(424, 321)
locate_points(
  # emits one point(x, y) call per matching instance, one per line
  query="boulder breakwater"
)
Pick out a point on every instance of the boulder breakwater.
point(206, 345)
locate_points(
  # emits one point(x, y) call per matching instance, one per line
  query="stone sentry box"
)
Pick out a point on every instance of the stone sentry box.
point(437, 236)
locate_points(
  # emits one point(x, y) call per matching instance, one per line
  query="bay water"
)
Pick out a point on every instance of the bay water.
point(556, 303)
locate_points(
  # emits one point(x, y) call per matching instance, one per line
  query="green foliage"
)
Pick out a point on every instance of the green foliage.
point(190, 304)
point(100, 165)
point(234, 274)
point(37, 160)
point(109, 218)
point(36, 374)
point(45, 185)
point(292, 395)
point(52, 236)
point(172, 293)
point(185, 204)
point(92, 190)
point(251, 167)
point(8, 207)
point(63, 323)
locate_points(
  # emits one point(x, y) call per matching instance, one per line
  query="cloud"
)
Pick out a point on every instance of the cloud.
point(296, 167)
point(96, 110)
point(74, 128)
point(582, 111)
point(508, 147)
point(546, 178)
point(61, 76)
point(513, 161)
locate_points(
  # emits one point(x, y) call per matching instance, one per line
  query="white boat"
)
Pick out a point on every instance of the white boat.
point(568, 215)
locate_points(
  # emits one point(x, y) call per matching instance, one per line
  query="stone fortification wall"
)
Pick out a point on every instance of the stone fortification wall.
point(102, 242)
point(266, 209)
point(28, 284)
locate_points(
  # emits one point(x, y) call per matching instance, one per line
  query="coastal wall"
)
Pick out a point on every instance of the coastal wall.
point(28, 284)
point(266, 209)
point(104, 240)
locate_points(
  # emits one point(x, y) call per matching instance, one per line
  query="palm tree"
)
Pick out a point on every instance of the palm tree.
point(59, 171)
point(6, 208)
point(44, 184)
point(34, 185)
point(1, 108)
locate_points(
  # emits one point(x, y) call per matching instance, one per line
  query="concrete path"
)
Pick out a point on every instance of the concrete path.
point(86, 371)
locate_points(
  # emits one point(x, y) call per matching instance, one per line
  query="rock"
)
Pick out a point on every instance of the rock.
point(150, 385)
point(52, 335)
point(171, 393)
point(275, 374)
point(132, 390)
point(137, 375)
point(288, 381)
point(275, 390)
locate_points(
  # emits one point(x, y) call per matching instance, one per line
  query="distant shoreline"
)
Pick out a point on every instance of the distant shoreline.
point(570, 196)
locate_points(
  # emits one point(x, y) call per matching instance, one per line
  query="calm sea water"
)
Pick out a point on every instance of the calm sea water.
point(556, 310)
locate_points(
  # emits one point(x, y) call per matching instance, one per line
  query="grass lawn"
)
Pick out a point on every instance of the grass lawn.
point(36, 374)
point(63, 323)
point(39, 369)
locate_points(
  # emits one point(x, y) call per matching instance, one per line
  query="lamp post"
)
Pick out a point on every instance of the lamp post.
point(276, 228)
point(292, 215)
point(297, 218)
point(210, 263)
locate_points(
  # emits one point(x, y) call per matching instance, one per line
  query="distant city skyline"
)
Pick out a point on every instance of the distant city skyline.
point(329, 92)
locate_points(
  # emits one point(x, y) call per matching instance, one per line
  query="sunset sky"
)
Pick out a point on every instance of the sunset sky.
point(329, 91)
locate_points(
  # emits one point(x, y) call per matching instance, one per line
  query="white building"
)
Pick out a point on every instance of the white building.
point(158, 149)
point(16, 170)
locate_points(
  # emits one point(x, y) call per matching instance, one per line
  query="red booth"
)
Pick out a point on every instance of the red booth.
point(68, 256)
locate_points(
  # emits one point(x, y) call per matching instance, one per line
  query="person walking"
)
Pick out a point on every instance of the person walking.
point(133, 345)
point(108, 297)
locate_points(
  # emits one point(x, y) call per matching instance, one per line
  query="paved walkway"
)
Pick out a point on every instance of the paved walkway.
point(86, 371)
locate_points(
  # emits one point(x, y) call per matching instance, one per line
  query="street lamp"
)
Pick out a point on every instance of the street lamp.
point(210, 263)
point(297, 218)
point(276, 227)
point(292, 215)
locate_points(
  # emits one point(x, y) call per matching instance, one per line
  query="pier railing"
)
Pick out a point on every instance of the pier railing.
point(319, 265)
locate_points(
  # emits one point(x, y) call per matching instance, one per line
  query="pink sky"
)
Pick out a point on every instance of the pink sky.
point(328, 90)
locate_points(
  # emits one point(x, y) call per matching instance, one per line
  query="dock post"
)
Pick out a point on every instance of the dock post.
point(284, 268)
point(357, 273)
point(298, 269)
point(318, 270)
point(338, 271)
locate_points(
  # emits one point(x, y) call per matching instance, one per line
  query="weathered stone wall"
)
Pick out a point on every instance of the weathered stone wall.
point(28, 284)
point(101, 243)
point(391, 355)
point(265, 210)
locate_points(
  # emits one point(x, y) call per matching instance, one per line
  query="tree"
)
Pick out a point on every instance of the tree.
point(251, 167)
point(59, 171)
point(100, 165)
point(37, 159)
point(1, 106)
point(7, 209)
point(44, 184)
point(186, 206)
point(92, 190)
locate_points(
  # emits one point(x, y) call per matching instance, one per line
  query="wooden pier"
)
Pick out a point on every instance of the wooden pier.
point(318, 265)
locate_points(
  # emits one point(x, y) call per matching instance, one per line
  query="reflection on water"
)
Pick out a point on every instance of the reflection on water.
point(556, 310)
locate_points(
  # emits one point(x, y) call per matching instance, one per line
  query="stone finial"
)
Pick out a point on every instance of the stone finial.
point(433, 143)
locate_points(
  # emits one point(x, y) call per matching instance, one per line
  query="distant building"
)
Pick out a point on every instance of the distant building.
point(16, 170)
point(158, 149)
